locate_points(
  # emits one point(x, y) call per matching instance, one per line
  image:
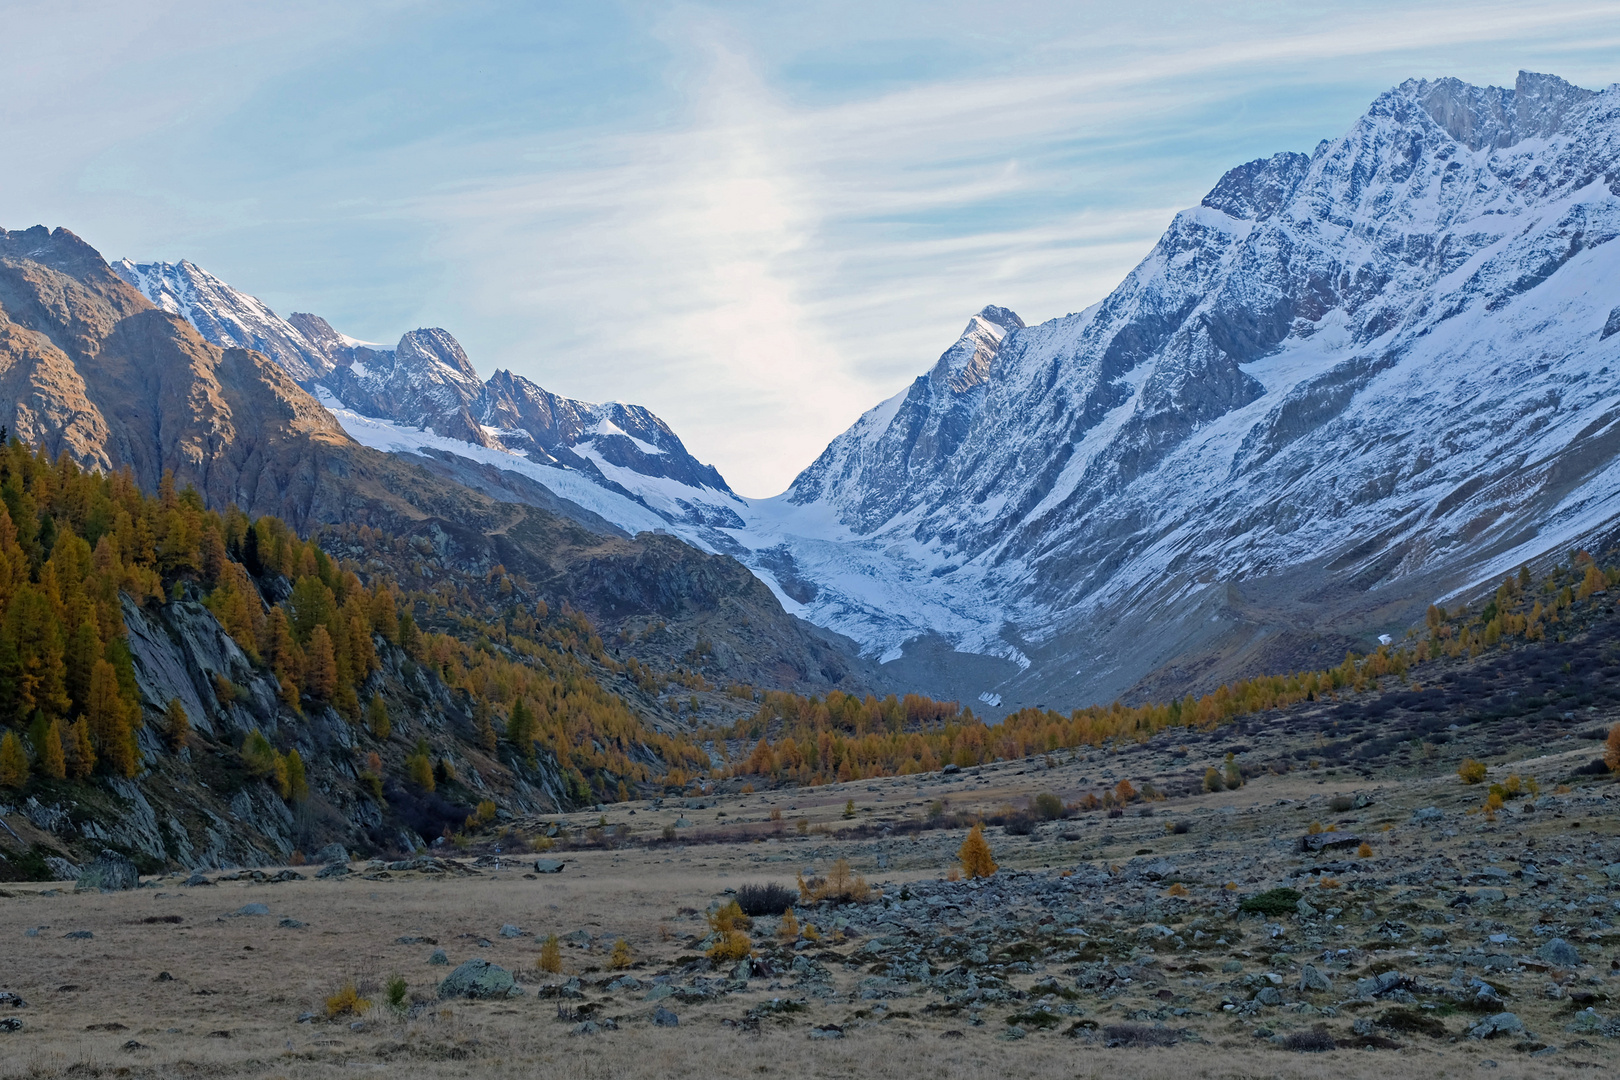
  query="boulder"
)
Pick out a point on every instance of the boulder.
point(334, 870)
point(662, 1017)
point(1312, 979)
point(439, 958)
point(478, 979)
point(510, 931)
point(1559, 953)
point(1427, 814)
point(548, 866)
point(1502, 1023)
point(330, 855)
point(108, 872)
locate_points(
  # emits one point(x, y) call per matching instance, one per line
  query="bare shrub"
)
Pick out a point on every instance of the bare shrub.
point(771, 899)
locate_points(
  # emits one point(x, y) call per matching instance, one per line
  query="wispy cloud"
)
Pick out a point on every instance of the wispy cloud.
point(756, 253)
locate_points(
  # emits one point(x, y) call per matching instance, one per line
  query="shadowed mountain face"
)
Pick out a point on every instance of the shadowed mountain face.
point(1348, 384)
point(91, 368)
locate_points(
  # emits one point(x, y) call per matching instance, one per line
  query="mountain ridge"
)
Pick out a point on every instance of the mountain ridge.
point(1345, 384)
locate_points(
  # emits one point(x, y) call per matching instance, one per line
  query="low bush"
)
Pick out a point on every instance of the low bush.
point(840, 886)
point(771, 899)
point(728, 917)
point(1471, 771)
point(1282, 901)
point(1413, 1022)
point(1315, 1041)
point(347, 1001)
point(732, 946)
point(1018, 824)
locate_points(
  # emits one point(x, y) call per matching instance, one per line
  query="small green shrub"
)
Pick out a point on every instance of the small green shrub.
point(394, 994)
point(1272, 902)
point(1048, 806)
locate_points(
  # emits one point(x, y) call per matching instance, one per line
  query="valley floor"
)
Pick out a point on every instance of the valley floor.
point(1072, 946)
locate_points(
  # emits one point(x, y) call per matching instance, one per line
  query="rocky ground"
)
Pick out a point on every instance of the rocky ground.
point(1350, 909)
point(1114, 943)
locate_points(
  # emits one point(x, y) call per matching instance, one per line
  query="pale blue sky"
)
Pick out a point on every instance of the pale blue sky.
point(756, 219)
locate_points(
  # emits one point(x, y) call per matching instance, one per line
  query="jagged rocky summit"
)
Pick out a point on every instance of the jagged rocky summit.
point(424, 395)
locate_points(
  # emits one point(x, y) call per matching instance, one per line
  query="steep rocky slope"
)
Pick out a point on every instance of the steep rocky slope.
point(99, 372)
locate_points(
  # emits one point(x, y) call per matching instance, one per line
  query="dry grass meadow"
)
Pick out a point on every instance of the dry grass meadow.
point(173, 984)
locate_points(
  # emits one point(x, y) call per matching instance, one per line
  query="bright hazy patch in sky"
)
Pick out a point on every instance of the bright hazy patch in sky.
point(758, 223)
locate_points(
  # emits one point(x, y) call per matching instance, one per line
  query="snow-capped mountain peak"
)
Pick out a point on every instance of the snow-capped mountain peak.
point(225, 316)
point(617, 461)
point(1345, 385)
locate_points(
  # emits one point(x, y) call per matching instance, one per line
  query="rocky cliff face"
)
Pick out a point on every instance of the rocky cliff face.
point(96, 370)
point(1347, 384)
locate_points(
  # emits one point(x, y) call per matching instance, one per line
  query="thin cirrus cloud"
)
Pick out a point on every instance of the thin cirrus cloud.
point(785, 266)
point(756, 220)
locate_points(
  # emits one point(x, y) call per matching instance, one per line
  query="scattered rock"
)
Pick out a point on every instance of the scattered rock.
point(11, 1023)
point(1268, 995)
point(1502, 1023)
point(662, 1017)
point(827, 1031)
point(291, 924)
point(1427, 814)
point(131, 1046)
point(1323, 841)
point(1559, 953)
point(1311, 979)
point(437, 956)
point(61, 869)
point(330, 855)
point(250, 909)
point(548, 866)
point(79, 935)
point(197, 878)
point(108, 872)
point(478, 979)
point(332, 871)
point(510, 931)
